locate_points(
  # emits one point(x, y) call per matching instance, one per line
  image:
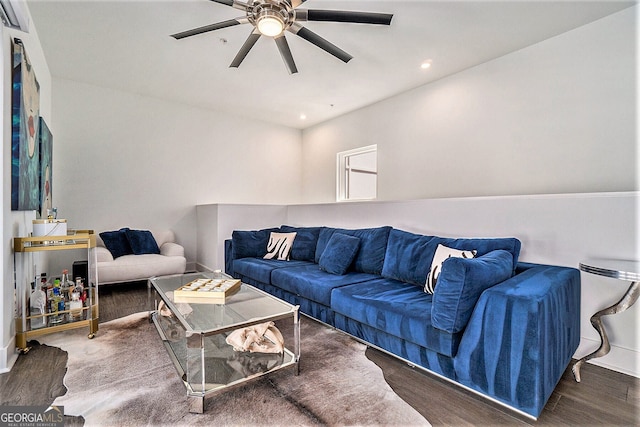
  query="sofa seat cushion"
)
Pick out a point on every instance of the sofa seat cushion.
point(260, 269)
point(408, 257)
point(313, 283)
point(139, 267)
point(400, 309)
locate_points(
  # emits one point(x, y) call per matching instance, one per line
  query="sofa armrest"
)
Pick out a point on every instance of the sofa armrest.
point(228, 257)
point(103, 254)
point(521, 336)
point(171, 249)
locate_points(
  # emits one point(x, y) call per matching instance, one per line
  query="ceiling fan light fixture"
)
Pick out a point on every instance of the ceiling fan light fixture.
point(269, 24)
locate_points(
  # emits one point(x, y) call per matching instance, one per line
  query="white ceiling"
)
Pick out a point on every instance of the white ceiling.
point(126, 45)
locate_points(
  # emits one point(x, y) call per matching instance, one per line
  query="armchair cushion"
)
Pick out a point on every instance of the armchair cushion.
point(169, 259)
point(142, 242)
point(117, 242)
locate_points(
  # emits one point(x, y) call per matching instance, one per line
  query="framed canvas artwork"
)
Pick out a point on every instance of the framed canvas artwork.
point(45, 141)
point(25, 148)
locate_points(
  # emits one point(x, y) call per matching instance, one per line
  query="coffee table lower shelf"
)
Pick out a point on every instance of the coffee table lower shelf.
point(195, 333)
point(225, 369)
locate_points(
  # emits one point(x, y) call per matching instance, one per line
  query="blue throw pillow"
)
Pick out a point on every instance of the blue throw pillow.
point(339, 253)
point(116, 242)
point(460, 284)
point(142, 242)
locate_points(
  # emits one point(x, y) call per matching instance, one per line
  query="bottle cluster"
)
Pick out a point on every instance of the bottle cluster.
point(57, 302)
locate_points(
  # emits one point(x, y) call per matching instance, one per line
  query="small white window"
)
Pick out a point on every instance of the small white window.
point(358, 174)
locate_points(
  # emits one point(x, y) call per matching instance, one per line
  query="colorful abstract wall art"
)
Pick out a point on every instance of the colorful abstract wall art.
point(25, 149)
point(45, 140)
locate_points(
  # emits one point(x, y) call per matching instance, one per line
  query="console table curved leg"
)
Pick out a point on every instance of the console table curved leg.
point(629, 298)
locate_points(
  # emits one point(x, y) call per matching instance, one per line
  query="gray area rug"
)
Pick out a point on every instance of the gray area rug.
point(124, 377)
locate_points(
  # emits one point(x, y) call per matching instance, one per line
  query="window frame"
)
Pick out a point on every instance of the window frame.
point(343, 171)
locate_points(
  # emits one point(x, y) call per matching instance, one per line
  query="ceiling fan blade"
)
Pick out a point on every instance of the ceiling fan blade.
point(344, 16)
point(322, 43)
point(210, 27)
point(233, 3)
point(285, 52)
point(244, 50)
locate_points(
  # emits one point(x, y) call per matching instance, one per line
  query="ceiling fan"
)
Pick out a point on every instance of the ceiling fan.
point(271, 18)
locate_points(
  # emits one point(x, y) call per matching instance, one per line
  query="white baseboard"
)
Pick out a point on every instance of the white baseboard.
point(8, 356)
point(619, 359)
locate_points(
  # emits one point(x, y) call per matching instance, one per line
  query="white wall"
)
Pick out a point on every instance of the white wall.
point(121, 159)
point(16, 223)
point(555, 117)
point(217, 222)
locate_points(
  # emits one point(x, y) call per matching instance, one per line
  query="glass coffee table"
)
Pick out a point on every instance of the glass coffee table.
point(195, 332)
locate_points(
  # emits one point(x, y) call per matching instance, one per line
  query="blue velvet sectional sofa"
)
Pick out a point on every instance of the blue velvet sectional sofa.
point(499, 327)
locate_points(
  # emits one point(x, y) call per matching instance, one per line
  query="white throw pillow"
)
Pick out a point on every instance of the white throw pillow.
point(442, 254)
point(279, 246)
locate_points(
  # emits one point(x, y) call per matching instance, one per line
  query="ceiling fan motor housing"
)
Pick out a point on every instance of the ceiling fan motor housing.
point(263, 11)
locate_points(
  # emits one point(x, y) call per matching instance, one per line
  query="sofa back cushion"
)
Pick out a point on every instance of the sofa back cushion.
point(304, 245)
point(408, 257)
point(460, 284)
point(251, 244)
point(373, 246)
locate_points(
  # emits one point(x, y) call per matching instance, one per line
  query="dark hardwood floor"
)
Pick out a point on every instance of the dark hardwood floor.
point(603, 398)
point(121, 299)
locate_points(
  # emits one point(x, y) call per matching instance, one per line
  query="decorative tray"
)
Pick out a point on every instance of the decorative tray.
point(202, 291)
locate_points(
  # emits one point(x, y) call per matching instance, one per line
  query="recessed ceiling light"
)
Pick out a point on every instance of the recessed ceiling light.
point(426, 64)
point(303, 116)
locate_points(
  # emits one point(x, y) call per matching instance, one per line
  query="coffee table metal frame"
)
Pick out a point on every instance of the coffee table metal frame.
point(194, 336)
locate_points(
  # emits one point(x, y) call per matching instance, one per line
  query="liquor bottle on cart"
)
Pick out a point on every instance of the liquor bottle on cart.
point(37, 304)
